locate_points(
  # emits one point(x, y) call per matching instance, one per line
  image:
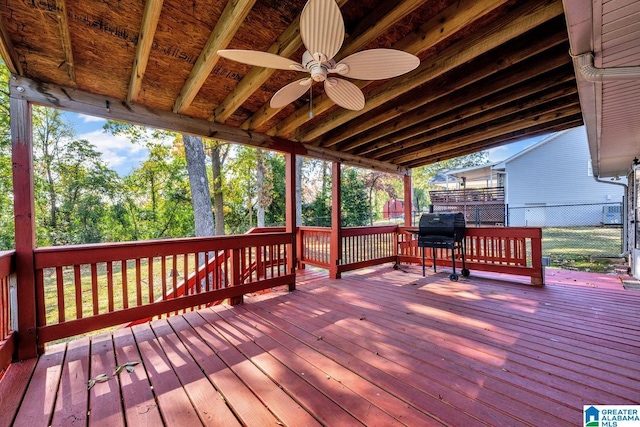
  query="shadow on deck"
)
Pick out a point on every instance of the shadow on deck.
point(378, 347)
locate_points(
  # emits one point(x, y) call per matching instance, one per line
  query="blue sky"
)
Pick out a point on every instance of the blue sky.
point(123, 156)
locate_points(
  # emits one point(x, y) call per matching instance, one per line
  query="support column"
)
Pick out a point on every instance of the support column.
point(336, 221)
point(408, 201)
point(290, 214)
point(25, 235)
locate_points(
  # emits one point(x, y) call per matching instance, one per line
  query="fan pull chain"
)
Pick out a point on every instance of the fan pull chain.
point(311, 102)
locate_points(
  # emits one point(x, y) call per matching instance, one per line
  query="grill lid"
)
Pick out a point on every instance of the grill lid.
point(446, 224)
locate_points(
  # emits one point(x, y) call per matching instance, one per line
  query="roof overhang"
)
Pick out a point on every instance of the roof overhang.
point(605, 45)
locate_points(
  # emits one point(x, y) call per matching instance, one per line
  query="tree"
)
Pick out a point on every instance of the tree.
point(200, 198)
point(355, 209)
point(7, 237)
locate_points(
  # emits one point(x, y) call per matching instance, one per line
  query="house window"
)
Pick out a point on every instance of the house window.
point(589, 168)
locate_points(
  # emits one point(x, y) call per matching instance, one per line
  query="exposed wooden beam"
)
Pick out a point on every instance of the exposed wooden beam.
point(286, 45)
point(477, 114)
point(72, 99)
point(7, 51)
point(509, 66)
point(459, 106)
point(65, 38)
point(437, 29)
point(152, 9)
point(531, 132)
point(232, 17)
point(503, 126)
point(367, 30)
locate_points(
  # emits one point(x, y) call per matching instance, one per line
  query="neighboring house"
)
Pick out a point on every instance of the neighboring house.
point(541, 180)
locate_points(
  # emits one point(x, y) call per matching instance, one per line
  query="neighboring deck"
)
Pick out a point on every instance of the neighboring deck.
point(378, 347)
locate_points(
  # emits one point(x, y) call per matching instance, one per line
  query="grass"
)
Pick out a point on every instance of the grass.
point(594, 249)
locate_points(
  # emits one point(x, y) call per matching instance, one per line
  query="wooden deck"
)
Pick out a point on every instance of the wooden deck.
point(378, 347)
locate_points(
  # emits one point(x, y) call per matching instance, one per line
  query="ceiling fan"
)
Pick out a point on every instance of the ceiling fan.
point(322, 32)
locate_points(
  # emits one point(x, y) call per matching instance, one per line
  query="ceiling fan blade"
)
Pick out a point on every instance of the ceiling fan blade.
point(376, 64)
point(344, 93)
point(322, 28)
point(290, 92)
point(261, 59)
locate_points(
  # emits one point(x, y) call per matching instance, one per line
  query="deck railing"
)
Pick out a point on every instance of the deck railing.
point(467, 195)
point(367, 246)
point(314, 246)
point(7, 342)
point(88, 287)
point(511, 250)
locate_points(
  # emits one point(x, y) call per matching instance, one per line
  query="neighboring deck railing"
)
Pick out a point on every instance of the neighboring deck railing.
point(88, 287)
point(467, 195)
point(7, 337)
point(511, 250)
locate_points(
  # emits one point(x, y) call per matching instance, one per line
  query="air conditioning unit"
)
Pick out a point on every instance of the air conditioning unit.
point(612, 214)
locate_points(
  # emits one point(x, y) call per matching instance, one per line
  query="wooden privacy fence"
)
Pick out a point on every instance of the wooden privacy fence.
point(7, 335)
point(88, 287)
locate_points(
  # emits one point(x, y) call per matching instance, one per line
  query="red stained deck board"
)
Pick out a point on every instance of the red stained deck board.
point(174, 404)
point(317, 403)
point(13, 385)
point(72, 399)
point(105, 407)
point(551, 359)
point(527, 366)
point(343, 386)
point(428, 371)
point(204, 397)
point(278, 402)
point(483, 350)
point(138, 399)
point(39, 400)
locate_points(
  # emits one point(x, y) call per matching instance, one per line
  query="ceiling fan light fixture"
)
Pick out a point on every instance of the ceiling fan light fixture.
point(322, 32)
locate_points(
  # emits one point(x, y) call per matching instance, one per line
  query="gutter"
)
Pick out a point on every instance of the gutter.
point(584, 63)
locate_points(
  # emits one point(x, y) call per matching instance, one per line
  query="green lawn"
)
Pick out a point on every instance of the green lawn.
point(583, 248)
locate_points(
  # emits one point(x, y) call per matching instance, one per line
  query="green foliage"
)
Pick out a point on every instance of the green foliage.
point(6, 185)
point(355, 209)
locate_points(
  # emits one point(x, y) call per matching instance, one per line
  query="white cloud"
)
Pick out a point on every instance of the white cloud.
point(117, 151)
point(91, 119)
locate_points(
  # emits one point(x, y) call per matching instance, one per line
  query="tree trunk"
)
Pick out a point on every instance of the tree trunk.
point(200, 198)
point(218, 200)
point(260, 187)
point(299, 162)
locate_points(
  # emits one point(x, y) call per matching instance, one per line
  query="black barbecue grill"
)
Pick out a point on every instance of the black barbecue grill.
point(443, 230)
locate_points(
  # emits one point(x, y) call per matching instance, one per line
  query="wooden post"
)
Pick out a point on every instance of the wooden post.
point(408, 201)
point(290, 214)
point(235, 275)
point(25, 234)
point(336, 222)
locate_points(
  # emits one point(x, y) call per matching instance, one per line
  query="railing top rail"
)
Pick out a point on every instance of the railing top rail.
point(363, 231)
point(7, 265)
point(103, 252)
point(315, 228)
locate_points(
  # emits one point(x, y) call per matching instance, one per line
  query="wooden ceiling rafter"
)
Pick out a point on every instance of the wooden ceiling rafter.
point(499, 127)
point(150, 18)
point(440, 27)
point(449, 116)
point(8, 52)
point(65, 38)
point(469, 117)
point(494, 76)
point(488, 38)
point(367, 30)
point(515, 136)
point(230, 21)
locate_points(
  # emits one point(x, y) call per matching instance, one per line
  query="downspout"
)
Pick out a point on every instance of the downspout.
point(584, 63)
point(625, 207)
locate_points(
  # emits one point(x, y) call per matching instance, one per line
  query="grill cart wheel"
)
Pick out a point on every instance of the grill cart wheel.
point(453, 277)
point(465, 272)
